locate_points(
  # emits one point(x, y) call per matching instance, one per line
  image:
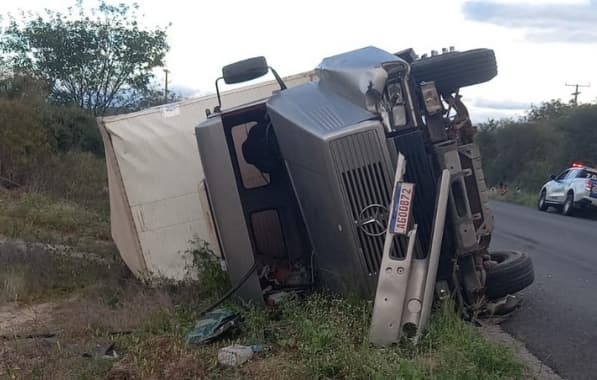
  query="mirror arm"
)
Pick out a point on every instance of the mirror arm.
point(278, 78)
point(218, 93)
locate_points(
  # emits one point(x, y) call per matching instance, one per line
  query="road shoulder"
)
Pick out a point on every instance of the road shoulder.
point(537, 369)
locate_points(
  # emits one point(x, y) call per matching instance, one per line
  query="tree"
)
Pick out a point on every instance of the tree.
point(549, 110)
point(91, 58)
point(150, 97)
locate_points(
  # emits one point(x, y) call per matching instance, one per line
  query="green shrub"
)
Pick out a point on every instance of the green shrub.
point(24, 142)
point(525, 152)
point(79, 177)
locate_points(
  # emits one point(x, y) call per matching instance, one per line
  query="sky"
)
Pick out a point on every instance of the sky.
point(540, 45)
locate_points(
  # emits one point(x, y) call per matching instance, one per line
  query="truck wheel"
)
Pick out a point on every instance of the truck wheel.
point(512, 273)
point(451, 71)
point(568, 206)
point(541, 204)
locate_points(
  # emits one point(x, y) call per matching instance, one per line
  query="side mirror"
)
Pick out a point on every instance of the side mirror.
point(246, 70)
point(552, 177)
point(243, 71)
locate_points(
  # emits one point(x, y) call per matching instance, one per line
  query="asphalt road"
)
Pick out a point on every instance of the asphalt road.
point(558, 317)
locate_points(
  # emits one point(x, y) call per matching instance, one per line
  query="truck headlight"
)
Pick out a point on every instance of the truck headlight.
point(433, 103)
point(393, 110)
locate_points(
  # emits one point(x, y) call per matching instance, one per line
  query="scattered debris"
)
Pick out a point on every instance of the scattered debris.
point(283, 275)
point(29, 336)
point(212, 325)
point(8, 184)
point(99, 351)
point(503, 306)
point(235, 355)
point(276, 298)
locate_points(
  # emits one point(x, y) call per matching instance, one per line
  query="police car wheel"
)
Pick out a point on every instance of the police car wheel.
point(541, 204)
point(568, 207)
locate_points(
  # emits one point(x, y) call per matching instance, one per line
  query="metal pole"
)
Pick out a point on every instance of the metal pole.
point(166, 71)
point(576, 92)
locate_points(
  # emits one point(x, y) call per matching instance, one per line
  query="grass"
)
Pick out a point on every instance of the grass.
point(521, 197)
point(320, 336)
point(31, 271)
point(35, 274)
point(42, 218)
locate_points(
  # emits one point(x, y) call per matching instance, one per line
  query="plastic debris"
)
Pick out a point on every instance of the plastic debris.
point(276, 298)
point(212, 325)
point(236, 354)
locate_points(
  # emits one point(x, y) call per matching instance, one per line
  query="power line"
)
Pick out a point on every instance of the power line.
point(576, 92)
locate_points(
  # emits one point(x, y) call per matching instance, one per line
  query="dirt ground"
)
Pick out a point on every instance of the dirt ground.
point(66, 317)
point(68, 337)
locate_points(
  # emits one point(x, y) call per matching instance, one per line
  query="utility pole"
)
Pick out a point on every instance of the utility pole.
point(166, 71)
point(576, 92)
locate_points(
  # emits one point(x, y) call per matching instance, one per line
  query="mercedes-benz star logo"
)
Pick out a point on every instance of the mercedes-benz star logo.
point(373, 220)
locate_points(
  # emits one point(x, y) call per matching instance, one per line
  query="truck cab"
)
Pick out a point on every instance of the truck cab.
point(303, 180)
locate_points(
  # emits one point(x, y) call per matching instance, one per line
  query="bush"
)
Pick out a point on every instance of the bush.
point(42, 143)
point(72, 129)
point(24, 142)
point(74, 176)
point(525, 152)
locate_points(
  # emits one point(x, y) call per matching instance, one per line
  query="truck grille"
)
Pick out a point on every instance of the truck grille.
point(365, 177)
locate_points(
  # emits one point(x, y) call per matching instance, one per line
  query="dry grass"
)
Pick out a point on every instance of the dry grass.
point(521, 197)
point(30, 273)
point(42, 218)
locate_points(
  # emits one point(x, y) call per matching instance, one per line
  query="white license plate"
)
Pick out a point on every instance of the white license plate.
point(402, 207)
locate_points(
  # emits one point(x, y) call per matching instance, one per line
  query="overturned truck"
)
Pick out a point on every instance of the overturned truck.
point(307, 187)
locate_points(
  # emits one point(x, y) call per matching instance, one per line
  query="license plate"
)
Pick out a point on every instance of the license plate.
point(402, 207)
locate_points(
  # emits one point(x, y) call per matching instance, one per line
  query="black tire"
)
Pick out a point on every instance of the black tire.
point(512, 273)
point(568, 206)
point(451, 71)
point(541, 204)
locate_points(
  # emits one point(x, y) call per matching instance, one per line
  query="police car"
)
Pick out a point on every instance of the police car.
point(574, 188)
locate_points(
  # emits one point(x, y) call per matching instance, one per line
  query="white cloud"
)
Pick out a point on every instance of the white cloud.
point(501, 104)
point(552, 22)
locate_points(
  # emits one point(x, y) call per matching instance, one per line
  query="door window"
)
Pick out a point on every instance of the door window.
point(251, 176)
point(573, 173)
point(562, 175)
